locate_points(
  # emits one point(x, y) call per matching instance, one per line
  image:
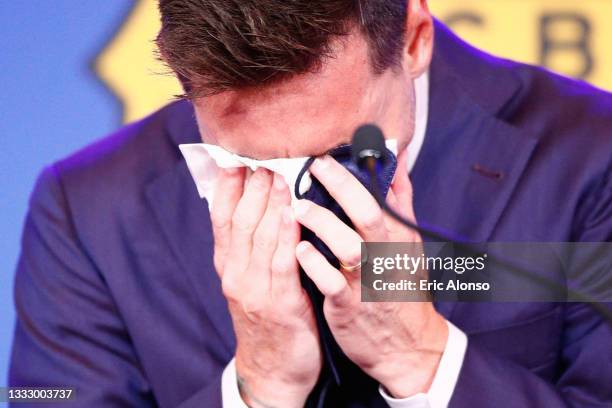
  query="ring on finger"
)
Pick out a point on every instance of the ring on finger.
point(353, 268)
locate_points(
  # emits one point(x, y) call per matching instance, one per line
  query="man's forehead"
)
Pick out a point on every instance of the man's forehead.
point(303, 115)
point(343, 74)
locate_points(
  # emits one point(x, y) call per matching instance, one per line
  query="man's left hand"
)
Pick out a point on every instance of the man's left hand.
point(398, 344)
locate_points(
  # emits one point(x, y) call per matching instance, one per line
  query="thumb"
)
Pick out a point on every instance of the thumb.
point(402, 188)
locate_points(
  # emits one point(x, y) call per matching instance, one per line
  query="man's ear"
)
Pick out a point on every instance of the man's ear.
point(418, 47)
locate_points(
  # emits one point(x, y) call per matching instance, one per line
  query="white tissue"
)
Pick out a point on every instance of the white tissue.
point(204, 161)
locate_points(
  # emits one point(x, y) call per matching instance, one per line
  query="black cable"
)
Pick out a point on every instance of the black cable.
point(548, 283)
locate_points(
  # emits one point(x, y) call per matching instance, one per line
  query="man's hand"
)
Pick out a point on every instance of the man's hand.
point(278, 358)
point(398, 344)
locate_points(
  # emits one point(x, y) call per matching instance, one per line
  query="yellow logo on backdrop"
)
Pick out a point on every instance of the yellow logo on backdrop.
point(567, 36)
point(563, 35)
point(128, 65)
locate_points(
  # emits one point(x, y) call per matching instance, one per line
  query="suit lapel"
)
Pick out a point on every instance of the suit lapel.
point(185, 222)
point(471, 160)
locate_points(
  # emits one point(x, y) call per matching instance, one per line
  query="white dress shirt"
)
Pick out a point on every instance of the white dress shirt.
point(203, 170)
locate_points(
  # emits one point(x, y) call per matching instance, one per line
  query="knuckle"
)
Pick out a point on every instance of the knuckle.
point(220, 219)
point(342, 179)
point(353, 256)
point(280, 265)
point(337, 291)
point(263, 239)
point(372, 221)
point(230, 288)
point(342, 299)
point(242, 222)
point(258, 185)
point(253, 305)
point(329, 220)
point(277, 195)
point(260, 181)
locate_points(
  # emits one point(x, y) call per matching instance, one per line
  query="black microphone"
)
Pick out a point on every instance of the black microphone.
point(367, 146)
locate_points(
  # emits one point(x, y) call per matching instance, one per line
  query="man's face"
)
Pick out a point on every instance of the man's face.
point(310, 114)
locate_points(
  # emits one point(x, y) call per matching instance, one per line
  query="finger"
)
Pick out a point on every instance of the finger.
point(400, 198)
point(227, 193)
point(343, 241)
point(284, 266)
point(245, 219)
point(265, 238)
point(329, 280)
point(402, 188)
point(394, 227)
point(353, 197)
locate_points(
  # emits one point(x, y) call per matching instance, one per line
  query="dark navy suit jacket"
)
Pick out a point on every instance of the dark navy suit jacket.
point(116, 292)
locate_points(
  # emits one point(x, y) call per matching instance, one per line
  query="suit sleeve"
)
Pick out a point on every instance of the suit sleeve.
point(585, 372)
point(209, 396)
point(68, 331)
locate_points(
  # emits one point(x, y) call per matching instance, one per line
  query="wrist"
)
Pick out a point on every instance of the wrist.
point(413, 372)
point(265, 391)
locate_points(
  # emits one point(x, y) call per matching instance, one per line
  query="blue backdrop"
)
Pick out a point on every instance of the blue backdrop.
point(51, 103)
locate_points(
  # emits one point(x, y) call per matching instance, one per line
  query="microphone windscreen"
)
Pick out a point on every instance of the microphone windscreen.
point(368, 141)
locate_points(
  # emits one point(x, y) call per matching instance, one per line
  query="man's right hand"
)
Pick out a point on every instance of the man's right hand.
point(278, 356)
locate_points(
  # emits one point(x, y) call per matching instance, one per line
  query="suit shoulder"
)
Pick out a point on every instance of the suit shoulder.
point(536, 100)
point(530, 95)
point(563, 113)
point(571, 119)
point(580, 101)
point(125, 159)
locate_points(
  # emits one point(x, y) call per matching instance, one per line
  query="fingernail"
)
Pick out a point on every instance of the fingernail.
point(301, 247)
point(322, 162)
point(287, 215)
point(279, 182)
point(301, 208)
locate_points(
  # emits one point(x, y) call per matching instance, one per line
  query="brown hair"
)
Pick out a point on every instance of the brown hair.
point(218, 45)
